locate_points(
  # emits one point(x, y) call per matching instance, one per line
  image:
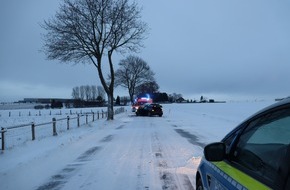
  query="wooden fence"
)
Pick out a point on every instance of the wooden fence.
point(50, 112)
point(88, 117)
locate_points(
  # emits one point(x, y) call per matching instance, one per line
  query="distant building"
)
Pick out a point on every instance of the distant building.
point(180, 100)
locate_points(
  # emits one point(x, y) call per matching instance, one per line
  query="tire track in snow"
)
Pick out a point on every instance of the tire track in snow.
point(193, 139)
point(141, 175)
point(107, 138)
point(167, 174)
point(167, 178)
point(57, 181)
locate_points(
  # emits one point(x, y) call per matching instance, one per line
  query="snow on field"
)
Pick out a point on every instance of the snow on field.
point(127, 153)
point(21, 122)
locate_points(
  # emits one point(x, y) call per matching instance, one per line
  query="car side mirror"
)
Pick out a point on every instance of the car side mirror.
point(215, 152)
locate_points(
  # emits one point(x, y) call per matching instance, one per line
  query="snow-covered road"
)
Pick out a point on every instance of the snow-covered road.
point(127, 153)
point(139, 153)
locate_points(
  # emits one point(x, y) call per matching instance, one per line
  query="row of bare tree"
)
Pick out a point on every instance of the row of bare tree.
point(88, 93)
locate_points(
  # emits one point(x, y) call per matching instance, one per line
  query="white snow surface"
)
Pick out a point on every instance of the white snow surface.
point(127, 153)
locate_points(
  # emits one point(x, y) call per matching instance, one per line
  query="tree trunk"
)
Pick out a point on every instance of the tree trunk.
point(110, 92)
point(110, 106)
point(131, 97)
point(131, 94)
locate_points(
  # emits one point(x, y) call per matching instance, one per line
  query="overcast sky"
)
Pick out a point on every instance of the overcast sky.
point(221, 49)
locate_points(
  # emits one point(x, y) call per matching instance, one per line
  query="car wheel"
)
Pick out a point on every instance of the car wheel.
point(199, 185)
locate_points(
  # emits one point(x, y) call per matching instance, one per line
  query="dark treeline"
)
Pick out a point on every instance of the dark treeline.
point(88, 96)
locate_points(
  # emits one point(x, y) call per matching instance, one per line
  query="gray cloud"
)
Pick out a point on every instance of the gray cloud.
point(194, 47)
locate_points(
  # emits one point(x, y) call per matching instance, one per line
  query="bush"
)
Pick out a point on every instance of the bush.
point(56, 104)
point(38, 107)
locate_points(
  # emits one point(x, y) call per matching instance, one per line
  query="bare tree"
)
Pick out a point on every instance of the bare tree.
point(86, 30)
point(133, 71)
point(147, 87)
point(94, 92)
point(101, 92)
point(76, 93)
point(88, 92)
point(82, 92)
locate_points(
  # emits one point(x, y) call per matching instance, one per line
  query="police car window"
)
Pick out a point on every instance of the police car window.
point(230, 140)
point(263, 145)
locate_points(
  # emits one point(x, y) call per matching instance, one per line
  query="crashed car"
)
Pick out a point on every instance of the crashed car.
point(150, 110)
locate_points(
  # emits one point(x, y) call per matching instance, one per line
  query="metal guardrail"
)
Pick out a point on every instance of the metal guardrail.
point(54, 122)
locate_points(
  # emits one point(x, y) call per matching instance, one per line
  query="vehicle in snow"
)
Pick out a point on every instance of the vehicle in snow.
point(141, 101)
point(255, 155)
point(150, 110)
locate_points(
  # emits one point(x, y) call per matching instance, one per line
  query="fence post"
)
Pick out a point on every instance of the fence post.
point(2, 138)
point(102, 114)
point(98, 115)
point(78, 120)
point(67, 123)
point(33, 131)
point(86, 118)
point(93, 116)
point(54, 127)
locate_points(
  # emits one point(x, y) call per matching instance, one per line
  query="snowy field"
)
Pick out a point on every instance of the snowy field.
point(18, 122)
point(127, 153)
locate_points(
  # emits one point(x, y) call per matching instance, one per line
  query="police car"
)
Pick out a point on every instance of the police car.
point(255, 155)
